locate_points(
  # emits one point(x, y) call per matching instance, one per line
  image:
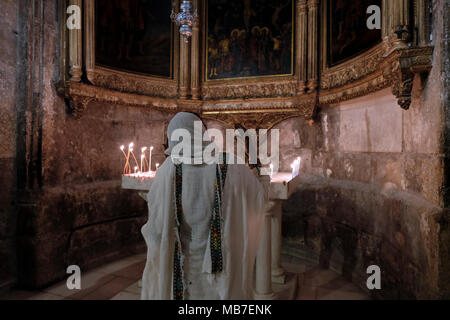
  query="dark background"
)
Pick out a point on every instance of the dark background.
point(134, 35)
point(348, 32)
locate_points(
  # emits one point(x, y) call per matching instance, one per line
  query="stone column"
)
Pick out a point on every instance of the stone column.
point(89, 36)
point(75, 46)
point(184, 68)
point(195, 58)
point(263, 285)
point(278, 275)
point(313, 52)
point(400, 23)
point(386, 16)
point(422, 23)
point(301, 45)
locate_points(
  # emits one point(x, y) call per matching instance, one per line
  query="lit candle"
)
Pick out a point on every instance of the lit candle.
point(131, 149)
point(293, 169)
point(136, 170)
point(150, 160)
point(122, 148)
point(157, 165)
point(143, 159)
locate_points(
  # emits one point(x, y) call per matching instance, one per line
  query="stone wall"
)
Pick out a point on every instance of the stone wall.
point(374, 188)
point(81, 215)
point(70, 206)
point(8, 34)
point(373, 185)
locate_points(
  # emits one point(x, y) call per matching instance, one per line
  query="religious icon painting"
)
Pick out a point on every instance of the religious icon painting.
point(249, 38)
point(348, 34)
point(135, 35)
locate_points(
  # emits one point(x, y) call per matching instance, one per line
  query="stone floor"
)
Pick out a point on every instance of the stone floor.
point(120, 281)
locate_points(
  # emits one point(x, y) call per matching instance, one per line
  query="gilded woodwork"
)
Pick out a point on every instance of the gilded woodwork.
point(393, 63)
point(258, 101)
point(127, 81)
point(195, 58)
point(313, 45)
point(400, 67)
point(301, 45)
point(75, 49)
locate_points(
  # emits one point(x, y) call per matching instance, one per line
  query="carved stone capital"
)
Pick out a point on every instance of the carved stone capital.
point(78, 105)
point(302, 6)
point(307, 105)
point(399, 69)
point(313, 4)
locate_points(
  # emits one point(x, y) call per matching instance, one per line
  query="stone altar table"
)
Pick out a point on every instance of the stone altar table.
point(268, 261)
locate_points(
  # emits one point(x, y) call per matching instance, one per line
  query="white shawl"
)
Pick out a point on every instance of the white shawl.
point(242, 211)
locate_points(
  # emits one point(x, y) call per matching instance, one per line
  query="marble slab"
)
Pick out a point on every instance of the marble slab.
point(139, 182)
point(282, 185)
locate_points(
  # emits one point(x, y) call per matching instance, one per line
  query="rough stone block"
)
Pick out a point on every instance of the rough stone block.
point(357, 225)
point(371, 124)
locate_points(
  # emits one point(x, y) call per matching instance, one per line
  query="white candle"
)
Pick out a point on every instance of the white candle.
point(143, 159)
point(122, 148)
point(132, 153)
point(130, 149)
point(293, 170)
point(142, 162)
point(271, 170)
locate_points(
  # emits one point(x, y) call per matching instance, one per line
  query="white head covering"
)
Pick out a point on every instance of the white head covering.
point(185, 136)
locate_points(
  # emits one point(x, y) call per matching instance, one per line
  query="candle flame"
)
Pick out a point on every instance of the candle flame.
point(151, 148)
point(122, 148)
point(144, 149)
point(142, 156)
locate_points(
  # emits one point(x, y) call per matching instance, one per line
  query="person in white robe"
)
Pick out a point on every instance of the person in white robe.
point(203, 246)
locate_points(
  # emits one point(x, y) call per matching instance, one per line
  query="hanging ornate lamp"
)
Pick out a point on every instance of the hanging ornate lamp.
point(185, 19)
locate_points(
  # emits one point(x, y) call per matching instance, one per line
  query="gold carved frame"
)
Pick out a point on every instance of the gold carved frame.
point(403, 52)
point(121, 80)
point(260, 101)
point(281, 77)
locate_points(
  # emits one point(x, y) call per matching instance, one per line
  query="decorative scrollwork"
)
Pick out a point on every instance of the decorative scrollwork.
point(351, 72)
point(400, 67)
point(262, 113)
point(254, 120)
point(78, 105)
point(249, 90)
point(134, 84)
